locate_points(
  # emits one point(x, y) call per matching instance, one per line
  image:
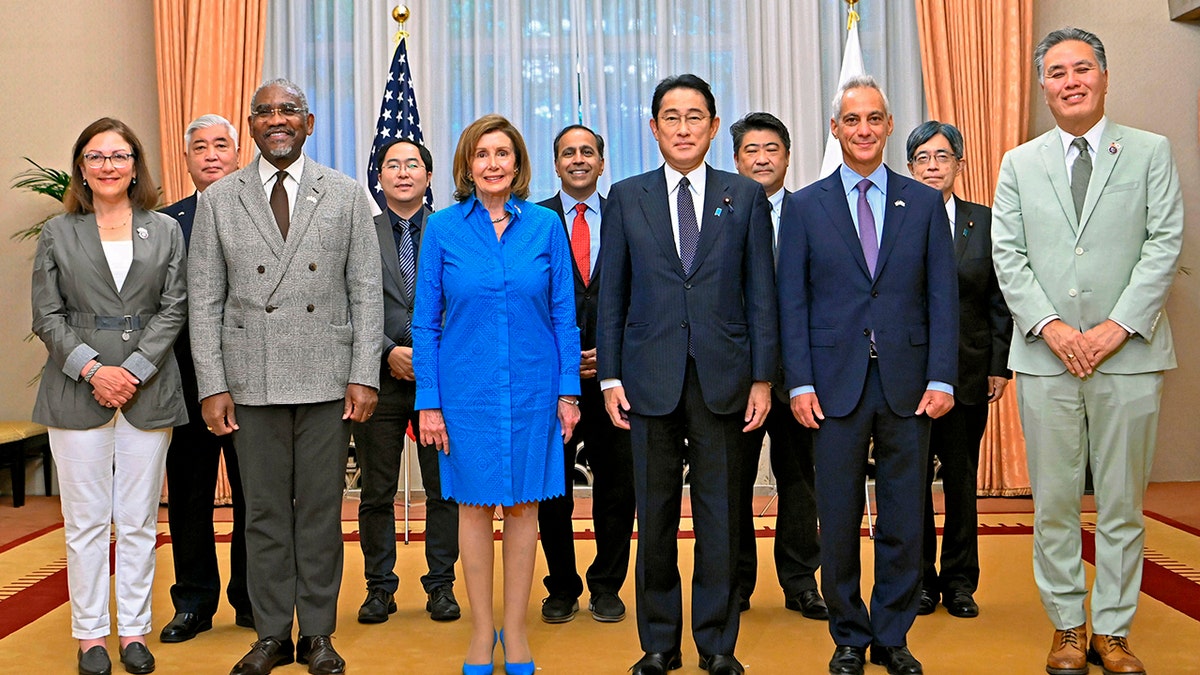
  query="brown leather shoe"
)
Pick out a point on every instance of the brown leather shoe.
point(1111, 652)
point(318, 653)
point(1067, 656)
point(263, 656)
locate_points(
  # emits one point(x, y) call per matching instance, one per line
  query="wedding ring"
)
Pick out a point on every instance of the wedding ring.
point(1070, 356)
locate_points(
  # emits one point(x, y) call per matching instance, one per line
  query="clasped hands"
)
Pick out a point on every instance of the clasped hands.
point(1082, 352)
point(112, 386)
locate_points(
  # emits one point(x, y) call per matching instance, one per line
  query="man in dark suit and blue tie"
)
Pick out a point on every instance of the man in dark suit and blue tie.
point(687, 349)
point(405, 168)
point(762, 149)
point(210, 152)
point(579, 163)
point(935, 157)
point(868, 307)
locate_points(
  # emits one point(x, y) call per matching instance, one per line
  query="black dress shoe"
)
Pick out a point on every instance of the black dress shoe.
point(244, 619)
point(960, 604)
point(441, 604)
point(318, 654)
point(606, 607)
point(810, 604)
point(137, 659)
point(94, 661)
point(263, 656)
point(899, 660)
point(559, 608)
point(657, 663)
point(184, 626)
point(928, 602)
point(375, 609)
point(848, 660)
point(721, 664)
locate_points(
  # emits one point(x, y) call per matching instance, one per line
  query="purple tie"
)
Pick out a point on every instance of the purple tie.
point(866, 227)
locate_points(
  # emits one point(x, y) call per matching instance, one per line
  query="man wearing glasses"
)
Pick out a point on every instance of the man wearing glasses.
point(405, 167)
point(286, 314)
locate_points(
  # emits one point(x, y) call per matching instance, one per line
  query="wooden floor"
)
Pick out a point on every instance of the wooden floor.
point(1010, 636)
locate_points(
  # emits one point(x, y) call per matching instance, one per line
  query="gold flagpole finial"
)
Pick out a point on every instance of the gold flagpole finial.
point(400, 14)
point(853, 17)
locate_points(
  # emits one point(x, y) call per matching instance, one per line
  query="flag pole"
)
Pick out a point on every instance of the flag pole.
point(400, 14)
point(852, 65)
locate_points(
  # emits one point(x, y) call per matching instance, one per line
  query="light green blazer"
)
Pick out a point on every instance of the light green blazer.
point(1116, 262)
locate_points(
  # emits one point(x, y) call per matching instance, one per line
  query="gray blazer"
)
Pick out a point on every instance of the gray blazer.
point(79, 314)
point(397, 306)
point(280, 323)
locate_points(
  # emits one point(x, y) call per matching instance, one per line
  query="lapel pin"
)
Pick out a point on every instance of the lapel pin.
point(142, 233)
point(970, 223)
point(899, 202)
point(311, 199)
point(717, 213)
point(729, 204)
point(1114, 148)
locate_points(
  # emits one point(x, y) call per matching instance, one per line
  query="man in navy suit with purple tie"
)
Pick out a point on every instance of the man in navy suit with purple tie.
point(868, 308)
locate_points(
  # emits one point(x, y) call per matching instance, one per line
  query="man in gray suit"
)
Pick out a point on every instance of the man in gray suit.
point(405, 167)
point(1087, 227)
point(286, 313)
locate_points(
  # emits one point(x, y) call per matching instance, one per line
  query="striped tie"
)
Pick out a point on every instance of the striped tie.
point(408, 262)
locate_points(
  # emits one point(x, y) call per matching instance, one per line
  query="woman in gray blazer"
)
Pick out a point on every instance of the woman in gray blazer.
point(109, 298)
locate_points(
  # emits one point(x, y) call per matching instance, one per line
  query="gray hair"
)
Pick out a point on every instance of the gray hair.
point(287, 85)
point(857, 82)
point(1064, 35)
point(206, 121)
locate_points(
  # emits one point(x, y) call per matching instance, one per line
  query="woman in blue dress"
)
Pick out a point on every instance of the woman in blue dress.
point(496, 355)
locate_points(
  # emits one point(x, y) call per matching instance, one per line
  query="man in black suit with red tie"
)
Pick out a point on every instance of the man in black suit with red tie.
point(762, 149)
point(935, 157)
point(687, 349)
point(579, 163)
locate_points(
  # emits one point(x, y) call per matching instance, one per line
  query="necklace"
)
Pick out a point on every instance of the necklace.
point(501, 219)
point(124, 222)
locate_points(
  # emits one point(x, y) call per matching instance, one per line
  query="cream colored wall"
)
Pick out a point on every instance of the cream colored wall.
point(1154, 82)
point(65, 64)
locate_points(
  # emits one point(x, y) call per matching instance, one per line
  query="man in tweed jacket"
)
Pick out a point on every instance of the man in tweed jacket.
point(284, 286)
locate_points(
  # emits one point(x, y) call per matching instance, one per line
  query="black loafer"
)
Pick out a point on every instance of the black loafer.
point(559, 608)
point(899, 660)
point(961, 604)
point(441, 605)
point(721, 664)
point(606, 607)
point(184, 626)
point(94, 661)
point(848, 660)
point(927, 603)
point(318, 654)
point(657, 663)
point(377, 606)
point(810, 604)
point(137, 659)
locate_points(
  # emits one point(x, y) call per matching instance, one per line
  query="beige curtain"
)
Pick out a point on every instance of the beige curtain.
point(210, 55)
point(975, 58)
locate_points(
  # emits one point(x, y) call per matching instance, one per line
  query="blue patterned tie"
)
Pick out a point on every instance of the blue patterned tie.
point(689, 229)
point(408, 263)
point(866, 227)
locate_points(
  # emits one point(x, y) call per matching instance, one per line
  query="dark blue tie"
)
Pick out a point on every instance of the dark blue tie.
point(689, 229)
point(408, 263)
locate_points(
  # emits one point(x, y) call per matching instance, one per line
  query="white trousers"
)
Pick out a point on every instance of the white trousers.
point(112, 473)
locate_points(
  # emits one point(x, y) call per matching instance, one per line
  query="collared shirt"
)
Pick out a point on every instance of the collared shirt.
point(592, 216)
point(696, 179)
point(876, 195)
point(1092, 136)
point(417, 222)
point(776, 202)
point(291, 184)
point(951, 212)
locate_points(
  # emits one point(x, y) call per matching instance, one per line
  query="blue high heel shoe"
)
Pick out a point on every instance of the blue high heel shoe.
point(510, 668)
point(482, 668)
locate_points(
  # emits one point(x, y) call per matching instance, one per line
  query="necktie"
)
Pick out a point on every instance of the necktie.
point(581, 243)
point(1081, 174)
point(689, 229)
point(406, 254)
point(866, 227)
point(279, 204)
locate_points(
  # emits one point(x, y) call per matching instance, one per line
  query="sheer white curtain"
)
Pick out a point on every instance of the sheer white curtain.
point(548, 63)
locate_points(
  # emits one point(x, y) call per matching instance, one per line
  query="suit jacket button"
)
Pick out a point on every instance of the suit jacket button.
point(683, 324)
point(867, 332)
point(687, 286)
point(261, 269)
point(311, 307)
point(874, 294)
point(312, 266)
point(270, 308)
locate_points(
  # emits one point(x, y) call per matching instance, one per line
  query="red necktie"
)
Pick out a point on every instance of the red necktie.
point(581, 243)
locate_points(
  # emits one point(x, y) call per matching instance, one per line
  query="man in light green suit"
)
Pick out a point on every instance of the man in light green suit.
point(1087, 227)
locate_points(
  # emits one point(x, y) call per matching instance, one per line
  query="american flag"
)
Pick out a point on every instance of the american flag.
point(398, 118)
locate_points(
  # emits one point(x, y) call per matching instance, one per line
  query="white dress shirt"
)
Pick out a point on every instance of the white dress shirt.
point(267, 171)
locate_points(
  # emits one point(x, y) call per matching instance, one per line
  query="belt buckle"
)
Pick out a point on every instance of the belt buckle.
point(128, 319)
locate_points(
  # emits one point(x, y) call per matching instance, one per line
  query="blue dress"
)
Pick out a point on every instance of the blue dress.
point(494, 345)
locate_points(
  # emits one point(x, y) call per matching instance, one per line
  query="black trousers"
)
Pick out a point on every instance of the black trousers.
point(379, 447)
point(797, 546)
point(293, 460)
point(610, 457)
point(713, 454)
point(192, 463)
point(954, 439)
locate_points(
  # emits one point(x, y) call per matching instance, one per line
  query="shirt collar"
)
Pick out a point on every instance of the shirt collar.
point(513, 205)
point(850, 178)
point(1092, 135)
point(951, 209)
point(697, 177)
point(267, 170)
point(776, 200)
point(569, 202)
point(417, 220)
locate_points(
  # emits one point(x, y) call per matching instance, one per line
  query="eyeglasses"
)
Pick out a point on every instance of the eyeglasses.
point(287, 110)
point(673, 121)
point(941, 157)
point(409, 166)
point(120, 160)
